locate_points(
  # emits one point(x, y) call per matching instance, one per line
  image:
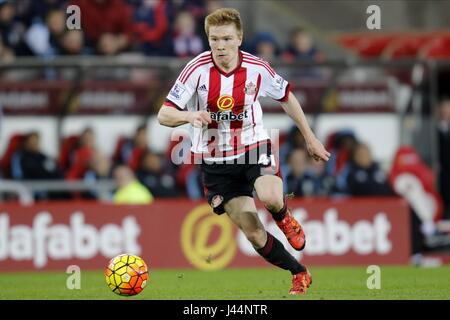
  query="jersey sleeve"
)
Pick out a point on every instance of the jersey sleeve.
point(180, 94)
point(274, 86)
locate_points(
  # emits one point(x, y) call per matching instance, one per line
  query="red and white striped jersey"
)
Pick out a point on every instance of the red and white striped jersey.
point(232, 101)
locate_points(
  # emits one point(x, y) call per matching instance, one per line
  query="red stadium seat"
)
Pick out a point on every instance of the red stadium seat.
point(373, 46)
point(68, 146)
point(408, 47)
point(135, 158)
point(14, 144)
point(439, 48)
point(82, 158)
point(352, 41)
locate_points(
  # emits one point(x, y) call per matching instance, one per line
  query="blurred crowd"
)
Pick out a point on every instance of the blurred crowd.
point(352, 169)
point(112, 27)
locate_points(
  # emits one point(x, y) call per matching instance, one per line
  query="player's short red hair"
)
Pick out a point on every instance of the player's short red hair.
point(222, 17)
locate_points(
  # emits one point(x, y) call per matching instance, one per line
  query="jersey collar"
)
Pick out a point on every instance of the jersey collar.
point(232, 71)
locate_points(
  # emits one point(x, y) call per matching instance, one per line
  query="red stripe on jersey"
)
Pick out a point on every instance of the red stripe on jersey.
point(194, 67)
point(194, 61)
point(169, 103)
point(213, 95)
point(239, 101)
point(239, 95)
point(259, 64)
point(214, 89)
point(258, 84)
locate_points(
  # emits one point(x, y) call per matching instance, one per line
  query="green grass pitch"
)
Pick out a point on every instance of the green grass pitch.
point(397, 282)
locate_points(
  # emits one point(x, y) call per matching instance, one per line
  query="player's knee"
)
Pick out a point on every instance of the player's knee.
point(272, 201)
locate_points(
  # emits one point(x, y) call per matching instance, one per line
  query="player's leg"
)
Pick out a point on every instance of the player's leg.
point(242, 211)
point(269, 189)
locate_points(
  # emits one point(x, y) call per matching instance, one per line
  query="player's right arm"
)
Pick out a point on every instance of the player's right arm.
point(172, 117)
point(174, 112)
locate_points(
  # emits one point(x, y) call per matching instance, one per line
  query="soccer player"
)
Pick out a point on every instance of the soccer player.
point(217, 94)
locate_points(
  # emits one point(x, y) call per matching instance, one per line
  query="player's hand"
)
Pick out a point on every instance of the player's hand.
point(199, 118)
point(316, 150)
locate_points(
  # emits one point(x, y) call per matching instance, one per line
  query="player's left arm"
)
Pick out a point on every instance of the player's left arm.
point(315, 148)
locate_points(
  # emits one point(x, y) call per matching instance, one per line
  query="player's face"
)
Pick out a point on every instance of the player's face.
point(224, 42)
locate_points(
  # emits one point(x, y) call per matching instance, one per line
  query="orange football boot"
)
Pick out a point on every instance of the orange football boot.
point(293, 231)
point(301, 282)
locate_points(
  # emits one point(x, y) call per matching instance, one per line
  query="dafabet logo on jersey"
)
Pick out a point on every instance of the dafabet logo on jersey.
point(225, 102)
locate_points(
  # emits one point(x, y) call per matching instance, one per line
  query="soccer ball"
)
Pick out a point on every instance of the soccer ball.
point(126, 274)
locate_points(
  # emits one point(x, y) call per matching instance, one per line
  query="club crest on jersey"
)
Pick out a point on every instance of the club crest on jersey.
point(250, 89)
point(225, 102)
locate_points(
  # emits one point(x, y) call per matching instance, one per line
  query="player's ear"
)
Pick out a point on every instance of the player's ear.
point(240, 37)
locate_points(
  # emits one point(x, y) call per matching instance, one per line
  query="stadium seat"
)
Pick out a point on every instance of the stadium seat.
point(439, 48)
point(408, 46)
point(135, 158)
point(14, 144)
point(68, 146)
point(352, 41)
point(80, 165)
point(373, 46)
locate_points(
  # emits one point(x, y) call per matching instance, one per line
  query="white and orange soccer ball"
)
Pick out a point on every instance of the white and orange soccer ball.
point(126, 274)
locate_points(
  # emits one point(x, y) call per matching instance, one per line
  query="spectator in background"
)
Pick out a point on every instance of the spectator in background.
point(200, 9)
point(341, 144)
point(186, 42)
point(194, 184)
point(107, 25)
point(99, 169)
point(444, 154)
point(151, 173)
point(83, 155)
point(6, 54)
point(151, 22)
point(294, 140)
point(32, 164)
point(301, 47)
point(72, 43)
point(132, 150)
point(197, 8)
point(11, 32)
point(265, 46)
point(38, 10)
point(129, 190)
point(301, 179)
point(365, 178)
point(44, 39)
point(325, 182)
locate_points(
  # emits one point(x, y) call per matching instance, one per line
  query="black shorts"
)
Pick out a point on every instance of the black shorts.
point(235, 178)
